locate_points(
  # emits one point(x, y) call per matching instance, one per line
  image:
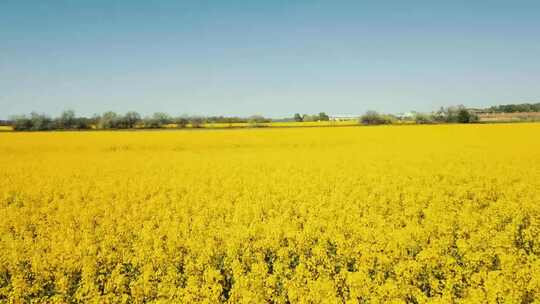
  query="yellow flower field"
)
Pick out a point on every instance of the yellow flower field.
point(272, 124)
point(390, 214)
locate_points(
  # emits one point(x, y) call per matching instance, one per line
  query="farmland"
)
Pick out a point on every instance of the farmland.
point(510, 117)
point(438, 213)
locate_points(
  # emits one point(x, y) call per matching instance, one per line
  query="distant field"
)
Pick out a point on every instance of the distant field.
point(314, 123)
point(390, 214)
point(509, 117)
point(283, 124)
point(270, 124)
point(6, 128)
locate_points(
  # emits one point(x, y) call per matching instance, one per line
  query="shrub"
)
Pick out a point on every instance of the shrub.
point(181, 122)
point(464, 116)
point(109, 120)
point(196, 122)
point(422, 118)
point(131, 119)
point(21, 123)
point(374, 118)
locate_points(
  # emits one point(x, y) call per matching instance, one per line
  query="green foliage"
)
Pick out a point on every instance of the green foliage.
point(109, 120)
point(66, 120)
point(464, 116)
point(181, 122)
point(307, 117)
point(422, 118)
point(257, 121)
point(157, 120)
point(196, 122)
point(21, 123)
point(455, 114)
point(513, 108)
point(112, 120)
point(42, 122)
point(131, 119)
point(374, 118)
point(323, 116)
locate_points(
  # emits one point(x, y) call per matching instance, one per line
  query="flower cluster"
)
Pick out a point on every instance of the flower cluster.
point(403, 214)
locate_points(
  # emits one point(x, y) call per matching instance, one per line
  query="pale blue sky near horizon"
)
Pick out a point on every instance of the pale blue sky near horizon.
point(273, 58)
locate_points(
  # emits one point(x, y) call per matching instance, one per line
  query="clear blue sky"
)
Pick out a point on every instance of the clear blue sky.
point(266, 57)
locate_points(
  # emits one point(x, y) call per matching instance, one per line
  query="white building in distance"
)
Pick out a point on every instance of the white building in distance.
point(344, 117)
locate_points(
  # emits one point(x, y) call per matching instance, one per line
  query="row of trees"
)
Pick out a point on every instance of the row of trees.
point(315, 117)
point(39, 122)
point(375, 118)
point(111, 120)
point(514, 108)
point(454, 114)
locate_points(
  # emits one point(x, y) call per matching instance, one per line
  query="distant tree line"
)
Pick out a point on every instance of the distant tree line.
point(41, 122)
point(513, 108)
point(453, 114)
point(375, 118)
point(315, 117)
point(112, 120)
